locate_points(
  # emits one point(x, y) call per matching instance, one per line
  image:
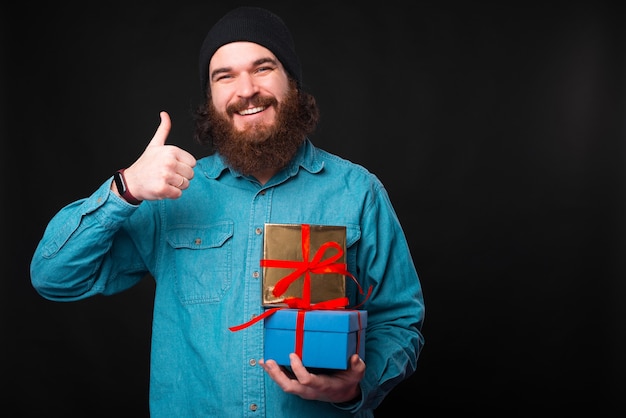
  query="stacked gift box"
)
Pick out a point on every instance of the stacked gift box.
point(329, 337)
point(304, 285)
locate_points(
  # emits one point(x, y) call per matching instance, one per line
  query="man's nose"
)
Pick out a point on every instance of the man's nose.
point(246, 87)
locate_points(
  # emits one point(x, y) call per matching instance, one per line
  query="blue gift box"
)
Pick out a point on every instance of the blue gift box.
point(330, 337)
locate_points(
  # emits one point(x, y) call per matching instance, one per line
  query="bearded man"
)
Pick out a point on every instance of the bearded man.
point(196, 227)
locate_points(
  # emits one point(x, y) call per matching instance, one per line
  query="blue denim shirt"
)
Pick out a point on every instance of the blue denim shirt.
point(203, 251)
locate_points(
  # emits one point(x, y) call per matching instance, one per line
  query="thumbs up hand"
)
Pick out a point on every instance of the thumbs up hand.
point(162, 171)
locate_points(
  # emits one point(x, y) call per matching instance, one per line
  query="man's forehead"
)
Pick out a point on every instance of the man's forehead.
point(240, 53)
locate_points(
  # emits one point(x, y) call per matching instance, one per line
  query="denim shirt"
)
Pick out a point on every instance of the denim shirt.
point(203, 251)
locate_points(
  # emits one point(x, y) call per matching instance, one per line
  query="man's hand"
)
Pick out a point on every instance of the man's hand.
point(342, 386)
point(162, 171)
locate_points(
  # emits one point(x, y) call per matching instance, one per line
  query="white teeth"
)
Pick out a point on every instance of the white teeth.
point(251, 111)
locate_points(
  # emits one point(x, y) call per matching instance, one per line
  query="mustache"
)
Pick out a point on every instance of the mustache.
point(256, 101)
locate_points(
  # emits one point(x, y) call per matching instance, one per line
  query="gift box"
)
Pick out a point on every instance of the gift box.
point(303, 261)
point(325, 339)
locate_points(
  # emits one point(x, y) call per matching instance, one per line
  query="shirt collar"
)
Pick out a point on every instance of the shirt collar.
point(306, 157)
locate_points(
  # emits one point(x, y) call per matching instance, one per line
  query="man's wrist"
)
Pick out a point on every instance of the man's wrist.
point(122, 188)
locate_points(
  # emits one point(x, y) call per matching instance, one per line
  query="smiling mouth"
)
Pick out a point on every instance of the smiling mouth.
point(252, 110)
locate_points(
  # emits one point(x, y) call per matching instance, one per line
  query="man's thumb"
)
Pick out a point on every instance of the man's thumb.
point(160, 136)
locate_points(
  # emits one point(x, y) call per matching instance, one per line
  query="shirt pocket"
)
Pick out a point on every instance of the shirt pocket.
point(202, 261)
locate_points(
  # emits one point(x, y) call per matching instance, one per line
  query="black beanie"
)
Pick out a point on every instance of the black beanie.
point(252, 24)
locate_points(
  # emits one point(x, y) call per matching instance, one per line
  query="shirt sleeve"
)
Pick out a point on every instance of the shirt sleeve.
point(85, 250)
point(395, 307)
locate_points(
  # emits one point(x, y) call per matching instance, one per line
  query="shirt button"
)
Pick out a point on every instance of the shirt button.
point(256, 274)
point(252, 362)
point(259, 231)
point(253, 407)
point(198, 241)
point(262, 193)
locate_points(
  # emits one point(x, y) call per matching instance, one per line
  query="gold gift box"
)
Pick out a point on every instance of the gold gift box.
point(284, 242)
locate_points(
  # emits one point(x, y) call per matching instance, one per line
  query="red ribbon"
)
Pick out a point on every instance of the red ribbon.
point(317, 265)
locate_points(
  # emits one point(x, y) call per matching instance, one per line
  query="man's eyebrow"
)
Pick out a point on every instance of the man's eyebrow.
point(219, 71)
point(265, 60)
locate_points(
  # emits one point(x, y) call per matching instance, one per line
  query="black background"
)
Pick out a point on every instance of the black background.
point(498, 129)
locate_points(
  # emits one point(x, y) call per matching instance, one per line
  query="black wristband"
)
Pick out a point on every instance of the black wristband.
point(120, 182)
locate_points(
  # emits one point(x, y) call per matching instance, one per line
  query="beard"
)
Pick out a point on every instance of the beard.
point(259, 146)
